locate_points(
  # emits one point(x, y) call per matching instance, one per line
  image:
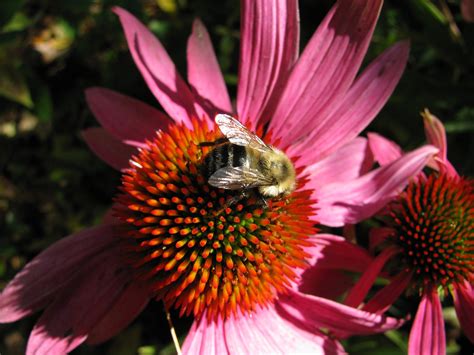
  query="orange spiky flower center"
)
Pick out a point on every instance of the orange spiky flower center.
point(434, 228)
point(199, 251)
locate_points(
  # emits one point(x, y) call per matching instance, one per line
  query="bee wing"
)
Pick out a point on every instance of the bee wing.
point(236, 178)
point(238, 134)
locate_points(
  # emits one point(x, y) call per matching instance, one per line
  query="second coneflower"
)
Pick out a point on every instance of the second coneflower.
point(426, 243)
point(237, 267)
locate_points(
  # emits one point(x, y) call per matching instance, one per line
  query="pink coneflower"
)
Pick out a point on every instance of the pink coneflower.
point(427, 242)
point(236, 267)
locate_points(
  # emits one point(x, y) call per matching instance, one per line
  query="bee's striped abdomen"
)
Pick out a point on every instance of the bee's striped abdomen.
point(239, 155)
point(224, 155)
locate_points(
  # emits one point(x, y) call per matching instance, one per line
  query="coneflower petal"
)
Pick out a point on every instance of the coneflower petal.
point(464, 304)
point(158, 70)
point(384, 150)
point(341, 203)
point(347, 163)
point(360, 290)
point(330, 259)
point(204, 74)
point(131, 302)
point(378, 235)
point(130, 120)
point(436, 135)
point(326, 69)
point(384, 298)
point(360, 104)
point(79, 307)
point(320, 312)
point(108, 148)
point(427, 334)
point(268, 50)
point(50, 271)
point(266, 332)
point(335, 252)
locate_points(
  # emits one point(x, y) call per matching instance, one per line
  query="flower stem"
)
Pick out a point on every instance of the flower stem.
point(173, 332)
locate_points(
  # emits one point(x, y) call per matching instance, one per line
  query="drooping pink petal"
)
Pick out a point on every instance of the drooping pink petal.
point(427, 335)
point(67, 320)
point(158, 70)
point(384, 298)
point(384, 150)
point(110, 216)
point(378, 235)
point(325, 282)
point(331, 258)
point(360, 105)
point(335, 252)
point(263, 332)
point(325, 70)
point(436, 135)
point(318, 312)
point(347, 163)
point(351, 202)
point(41, 278)
point(204, 74)
point(367, 279)
point(108, 148)
point(464, 304)
point(128, 306)
point(467, 10)
point(126, 118)
point(268, 49)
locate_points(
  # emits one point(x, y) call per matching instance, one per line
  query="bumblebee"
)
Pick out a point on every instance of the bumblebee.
point(242, 161)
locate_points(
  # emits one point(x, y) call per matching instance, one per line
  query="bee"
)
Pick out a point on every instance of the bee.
point(242, 161)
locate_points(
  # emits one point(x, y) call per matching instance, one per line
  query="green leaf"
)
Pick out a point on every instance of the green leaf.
point(8, 9)
point(159, 28)
point(429, 8)
point(127, 342)
point(19, 22)
point(458, 127)
point(464, 121)
point(13, 86)
point(42, 100)
point(397, 338)
point(147, 350)
point(170, 348)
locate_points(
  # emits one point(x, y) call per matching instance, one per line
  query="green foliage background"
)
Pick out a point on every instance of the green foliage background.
point(51, 185)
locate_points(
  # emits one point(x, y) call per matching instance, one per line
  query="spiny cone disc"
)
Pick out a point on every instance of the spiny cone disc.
point(199, 251)
point(434, 227)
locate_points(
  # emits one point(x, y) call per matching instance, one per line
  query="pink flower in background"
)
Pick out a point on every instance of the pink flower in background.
point(427, 241)
point(245, 272)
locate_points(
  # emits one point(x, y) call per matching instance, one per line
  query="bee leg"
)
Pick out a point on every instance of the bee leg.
point(242, 194)
point(232, 201)
point(263, 202)
point(216, 142)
